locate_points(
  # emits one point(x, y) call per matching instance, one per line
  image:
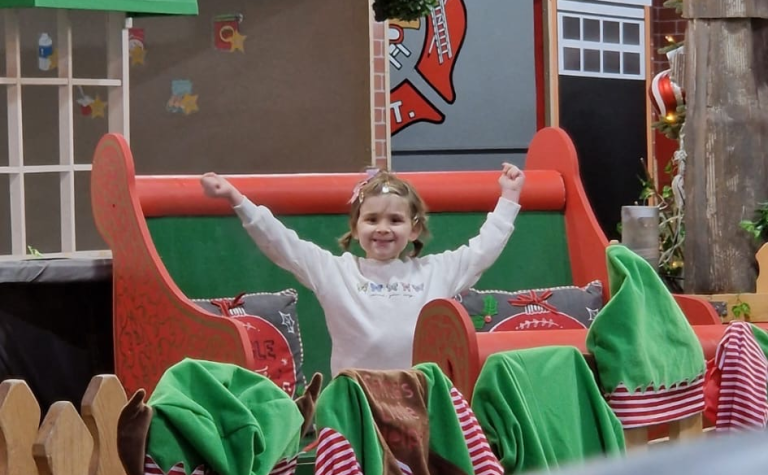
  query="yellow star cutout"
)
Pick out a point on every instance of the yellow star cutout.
point(189, 104)
point(97, 107)
point(137, 55)
point(238, 42)
point(54, 59)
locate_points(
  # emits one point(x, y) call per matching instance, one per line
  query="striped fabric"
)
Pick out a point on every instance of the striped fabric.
point(151, 468)
point(335, 455)
point(741, 403)
point(649, 407)
point(484, 461)
point(284, 467)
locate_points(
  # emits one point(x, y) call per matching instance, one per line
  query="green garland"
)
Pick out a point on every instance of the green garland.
point(406, 10)
point(676, 4)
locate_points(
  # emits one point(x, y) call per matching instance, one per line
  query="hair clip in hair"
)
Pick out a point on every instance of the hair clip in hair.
point(385, 188)
point(356, 191)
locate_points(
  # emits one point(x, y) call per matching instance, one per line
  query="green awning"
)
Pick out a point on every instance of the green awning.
point(156, 7)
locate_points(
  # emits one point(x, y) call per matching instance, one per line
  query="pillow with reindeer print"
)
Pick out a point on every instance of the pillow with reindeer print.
point(555, 308)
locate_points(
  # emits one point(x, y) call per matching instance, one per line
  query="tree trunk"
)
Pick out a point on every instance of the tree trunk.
point(726, 140)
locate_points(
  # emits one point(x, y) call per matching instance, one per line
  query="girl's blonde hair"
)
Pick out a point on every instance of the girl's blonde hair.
point(382, 183)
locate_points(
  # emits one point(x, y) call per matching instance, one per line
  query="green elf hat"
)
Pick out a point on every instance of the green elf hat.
point(649, 360)
point(225, 417)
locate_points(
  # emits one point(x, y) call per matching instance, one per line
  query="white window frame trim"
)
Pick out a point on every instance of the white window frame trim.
point(118, 120)
point(601, 46)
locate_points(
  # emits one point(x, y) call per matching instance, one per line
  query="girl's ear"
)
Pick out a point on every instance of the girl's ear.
point(415, 231)
point(353, 232)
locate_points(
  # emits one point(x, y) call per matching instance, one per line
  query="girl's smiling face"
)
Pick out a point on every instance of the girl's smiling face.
point(385, 226)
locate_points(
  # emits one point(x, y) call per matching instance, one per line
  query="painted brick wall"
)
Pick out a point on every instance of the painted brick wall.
point(664, 22)
point(380, 94)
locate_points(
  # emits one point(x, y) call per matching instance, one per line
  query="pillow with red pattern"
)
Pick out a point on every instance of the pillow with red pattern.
point(540, 309)
point(272, 324)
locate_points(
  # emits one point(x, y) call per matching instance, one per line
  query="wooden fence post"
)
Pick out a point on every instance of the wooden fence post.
point(103, 400)
point(19, 419)
point(63, 445)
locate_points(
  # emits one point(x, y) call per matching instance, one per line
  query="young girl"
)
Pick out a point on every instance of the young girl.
point(371, 304)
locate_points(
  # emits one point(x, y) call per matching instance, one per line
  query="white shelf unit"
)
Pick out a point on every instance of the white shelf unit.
point(117, 119)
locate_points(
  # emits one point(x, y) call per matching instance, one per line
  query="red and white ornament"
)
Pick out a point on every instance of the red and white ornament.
point(666, 95)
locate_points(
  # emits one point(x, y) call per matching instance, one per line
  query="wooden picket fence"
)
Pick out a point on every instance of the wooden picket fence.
point(66, 442)
point(85, 443)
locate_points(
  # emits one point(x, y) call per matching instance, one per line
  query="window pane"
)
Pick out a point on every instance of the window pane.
point(571, 28)
point(43, 211)
point(87, 128)
point(88, 238)
point(591, 30)
point(39, 42)
point(89, 43)
point(611, 62)
point(610, 31)
point(5, 215)
point(631, 34)
point(572, 59)
point(40, 119)
point(631, 63)
point(592, 60)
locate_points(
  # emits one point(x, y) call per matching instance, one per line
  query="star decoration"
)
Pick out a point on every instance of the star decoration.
point(592, 313)
point(97, 107)
point(238, 42)
point(189, 104)
point(288, 321)
point(284, 361)
point(137, 55)
point(54, 59)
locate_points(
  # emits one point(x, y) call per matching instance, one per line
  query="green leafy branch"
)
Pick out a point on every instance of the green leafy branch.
point(671, 225)
point(671, 124)
point(407, 10)
point(741, 310)
point(758, 227)
point(676, 4)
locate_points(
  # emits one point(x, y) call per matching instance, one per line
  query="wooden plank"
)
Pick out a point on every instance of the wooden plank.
point(551, 48)
point(688, 428)
point(63, 445)
point(714, 9)
point(761, 283)
point(758, 305)
point(103, 401)
point(118, 102)
point(636, 439)
point(727, 145)
point(15, 133)
point(66, 132)
point(19, 418)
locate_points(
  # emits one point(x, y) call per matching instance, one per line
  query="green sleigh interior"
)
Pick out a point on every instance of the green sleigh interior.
point(227, 262)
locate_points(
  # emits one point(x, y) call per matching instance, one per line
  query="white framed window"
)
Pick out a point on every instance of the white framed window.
point(45, 194)
point(598, 40)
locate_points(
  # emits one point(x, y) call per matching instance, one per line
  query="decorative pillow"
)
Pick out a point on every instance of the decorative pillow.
point(273, 328)
point(540, 309)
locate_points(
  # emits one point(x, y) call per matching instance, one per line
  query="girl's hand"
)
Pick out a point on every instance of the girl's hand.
point(511, 182)
point(215, 186)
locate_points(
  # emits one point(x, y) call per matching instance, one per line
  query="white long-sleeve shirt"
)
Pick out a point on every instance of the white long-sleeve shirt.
point(371, 307)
